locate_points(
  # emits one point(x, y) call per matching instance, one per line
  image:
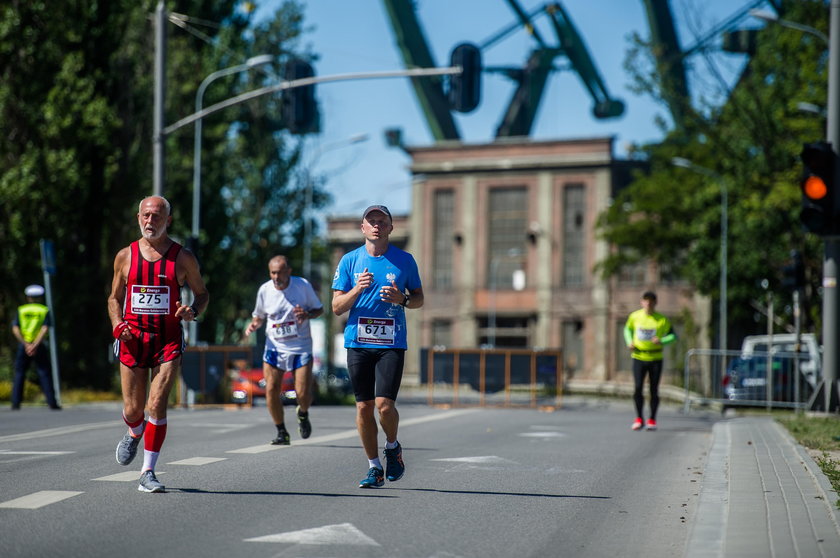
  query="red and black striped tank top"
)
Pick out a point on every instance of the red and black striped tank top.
point(151, 292)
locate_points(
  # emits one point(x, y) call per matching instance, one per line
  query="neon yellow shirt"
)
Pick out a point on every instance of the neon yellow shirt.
point(641, 328)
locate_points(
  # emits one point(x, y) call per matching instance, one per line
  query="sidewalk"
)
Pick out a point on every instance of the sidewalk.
point(763, 495)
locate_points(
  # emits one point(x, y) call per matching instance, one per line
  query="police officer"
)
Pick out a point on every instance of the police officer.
point(30, 327)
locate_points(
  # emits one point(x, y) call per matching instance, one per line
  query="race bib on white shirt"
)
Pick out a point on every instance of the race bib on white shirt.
point(282, 330)
point(376, 331)
point(147, 299)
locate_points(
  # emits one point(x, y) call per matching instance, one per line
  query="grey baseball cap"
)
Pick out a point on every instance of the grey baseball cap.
point(380, 208)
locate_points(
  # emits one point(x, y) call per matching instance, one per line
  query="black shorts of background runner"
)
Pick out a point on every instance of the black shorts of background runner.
point(375, 372)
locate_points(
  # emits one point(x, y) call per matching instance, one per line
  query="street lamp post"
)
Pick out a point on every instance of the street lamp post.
point(199, 100)
point(491, 317)
point(770, 17)
point(307, 221)
point(724, 234)
point(196, 201)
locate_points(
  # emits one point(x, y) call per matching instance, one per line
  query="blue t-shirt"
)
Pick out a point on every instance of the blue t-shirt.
point(373, 323)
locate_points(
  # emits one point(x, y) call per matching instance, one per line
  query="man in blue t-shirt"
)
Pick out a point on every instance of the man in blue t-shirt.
point(376, 283)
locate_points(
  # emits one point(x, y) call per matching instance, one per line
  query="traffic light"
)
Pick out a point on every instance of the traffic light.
point(818, 189)
point(393, 137)
point(793, 274)
point(300, 112)
point(743, 41)
point(465, 88)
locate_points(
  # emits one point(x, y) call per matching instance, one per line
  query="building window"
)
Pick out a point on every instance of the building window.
point(507, 218)
point(441, 333)
point(668, 274)
point(510, 332)
point(574, 238)
point(572, 348)
point(444, 229)
point(633, 274)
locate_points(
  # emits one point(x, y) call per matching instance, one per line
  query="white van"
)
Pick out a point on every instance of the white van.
point(746, 376)
point(810, 364)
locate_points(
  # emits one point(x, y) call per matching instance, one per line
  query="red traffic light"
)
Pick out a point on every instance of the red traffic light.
point(818, 214)
point(814, 188)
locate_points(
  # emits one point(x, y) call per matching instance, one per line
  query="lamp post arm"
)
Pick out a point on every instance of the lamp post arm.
point(307, 81)
point(804, 28)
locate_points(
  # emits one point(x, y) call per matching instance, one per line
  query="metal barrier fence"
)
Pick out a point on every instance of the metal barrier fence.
point(758, 379)
point(504, 377)
point(204, 370)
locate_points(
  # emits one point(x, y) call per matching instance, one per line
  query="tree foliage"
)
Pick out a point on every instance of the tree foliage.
point(76, 99)
point(750, 144)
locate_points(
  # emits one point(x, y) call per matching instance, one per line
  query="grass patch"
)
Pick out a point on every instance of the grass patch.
point(32, 394)
point(821, 434)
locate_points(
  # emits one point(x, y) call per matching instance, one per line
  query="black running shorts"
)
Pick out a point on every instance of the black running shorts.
point(375, 372)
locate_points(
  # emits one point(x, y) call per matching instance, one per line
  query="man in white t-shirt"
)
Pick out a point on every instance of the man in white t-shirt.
point(285, 304)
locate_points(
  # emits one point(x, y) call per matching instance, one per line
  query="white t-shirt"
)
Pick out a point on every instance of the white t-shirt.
point(277, 308)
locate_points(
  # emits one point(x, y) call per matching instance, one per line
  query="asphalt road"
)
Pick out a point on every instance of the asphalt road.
point(479, 483)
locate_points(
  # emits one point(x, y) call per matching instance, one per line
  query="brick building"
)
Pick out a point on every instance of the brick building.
point(505, 237)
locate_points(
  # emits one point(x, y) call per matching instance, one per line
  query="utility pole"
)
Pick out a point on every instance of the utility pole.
point(828, 389)
point(160, 88)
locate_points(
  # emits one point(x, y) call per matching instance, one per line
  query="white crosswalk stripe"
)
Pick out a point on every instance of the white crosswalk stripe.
point(39, 499)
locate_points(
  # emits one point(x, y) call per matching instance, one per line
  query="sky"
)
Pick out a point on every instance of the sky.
point(355, 36)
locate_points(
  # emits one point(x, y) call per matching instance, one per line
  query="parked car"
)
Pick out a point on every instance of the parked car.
point(246, 385)
point(335, 380)
point(746, 376)
point(810, 352)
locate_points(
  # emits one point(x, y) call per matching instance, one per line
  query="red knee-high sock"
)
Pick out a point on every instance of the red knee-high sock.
point(155, 434)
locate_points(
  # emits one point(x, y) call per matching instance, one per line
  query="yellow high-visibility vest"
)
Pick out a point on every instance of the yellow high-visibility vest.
point(30, 319)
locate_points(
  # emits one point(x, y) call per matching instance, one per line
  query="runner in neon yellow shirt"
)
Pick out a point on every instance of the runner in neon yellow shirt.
point(646, 332)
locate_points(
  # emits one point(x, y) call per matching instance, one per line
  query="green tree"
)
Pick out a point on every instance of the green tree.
point(752, 141)
point(75, 156)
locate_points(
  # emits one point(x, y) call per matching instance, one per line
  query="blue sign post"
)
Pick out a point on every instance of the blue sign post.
point(48, 263)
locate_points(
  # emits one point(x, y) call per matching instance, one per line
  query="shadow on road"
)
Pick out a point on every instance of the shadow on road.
point(367, 494)
point(488, 493)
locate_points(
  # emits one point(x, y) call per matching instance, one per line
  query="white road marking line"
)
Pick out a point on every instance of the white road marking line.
point(476, 459)
point(10, 452)
point(262, 448)
point(133, 476)
point(478, 462)
point(542, 434)
point(220, 428)
point(39, 499)
point(256, 449)
point(197, 461)
point(59, 431)
point(341, 534)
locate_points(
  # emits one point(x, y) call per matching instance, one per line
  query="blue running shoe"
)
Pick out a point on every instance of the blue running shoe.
point(374, 478)
point(394, 463)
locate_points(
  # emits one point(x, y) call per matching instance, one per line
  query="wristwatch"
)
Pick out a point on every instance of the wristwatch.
point(406, 301)
point(194, 311)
